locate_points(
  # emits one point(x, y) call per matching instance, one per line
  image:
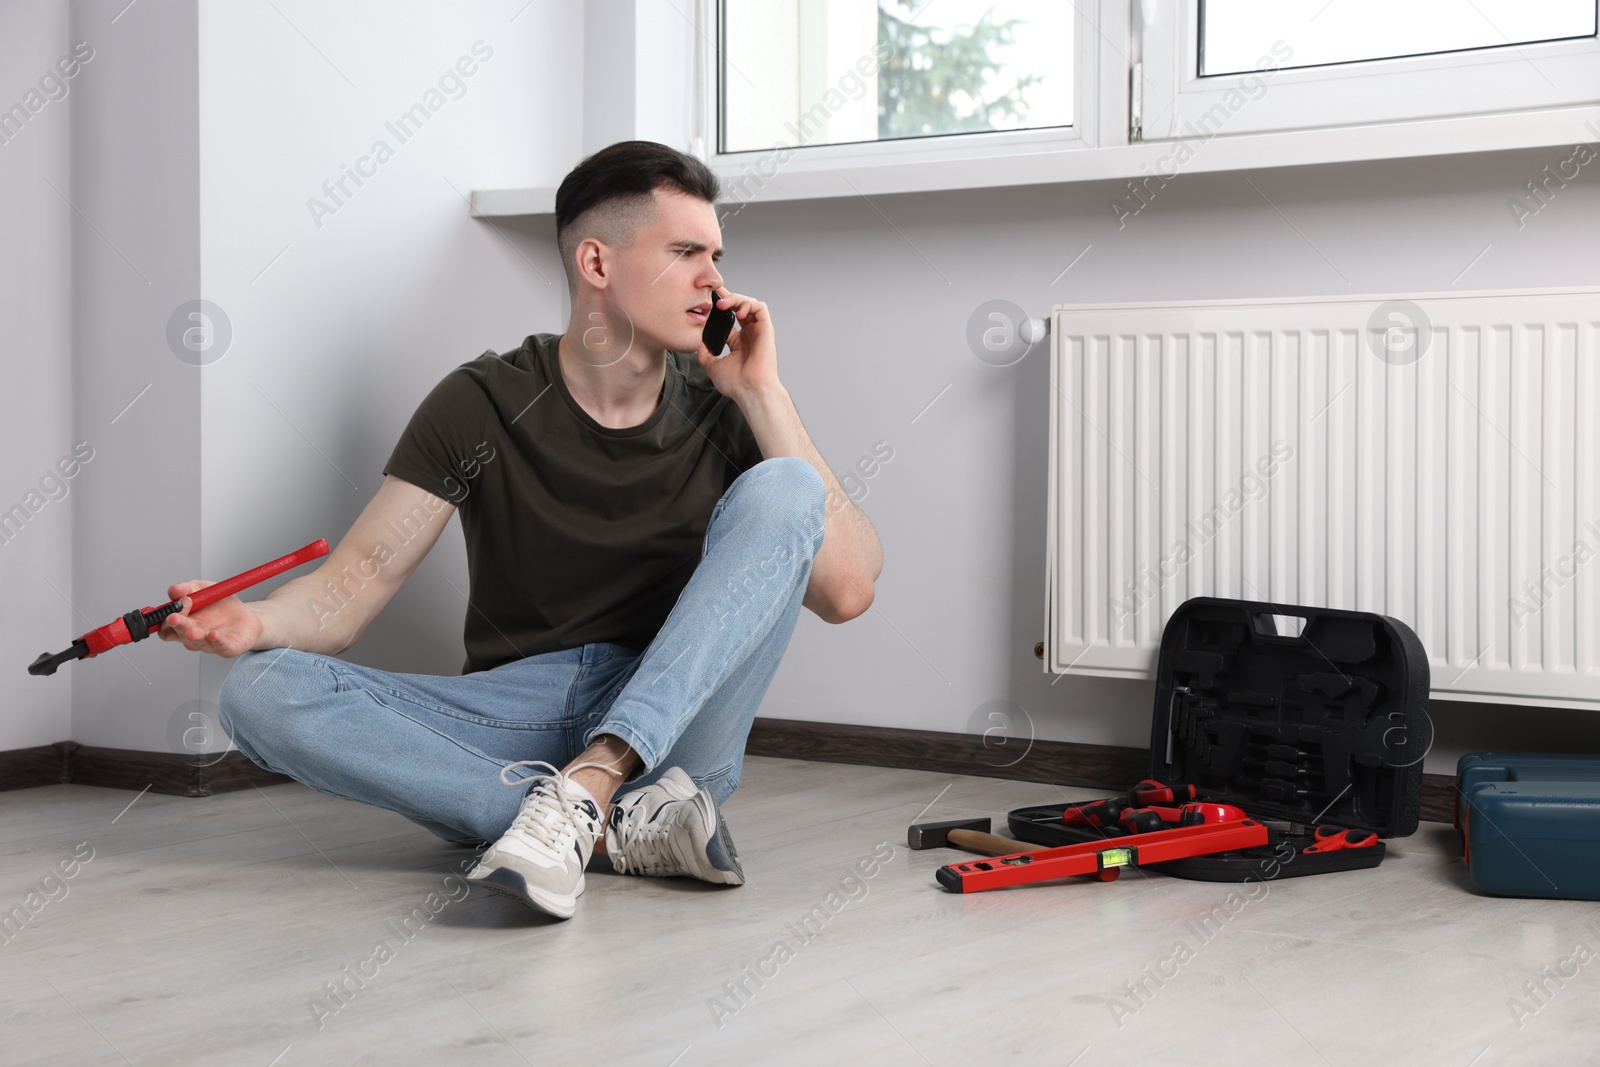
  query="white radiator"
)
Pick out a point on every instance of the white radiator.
point(1302, 452)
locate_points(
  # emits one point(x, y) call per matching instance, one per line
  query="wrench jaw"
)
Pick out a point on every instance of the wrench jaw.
point(49, 661)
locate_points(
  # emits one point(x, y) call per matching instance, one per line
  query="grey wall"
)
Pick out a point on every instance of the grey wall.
point(136, 258)
point(35, 374)
point(871, 301)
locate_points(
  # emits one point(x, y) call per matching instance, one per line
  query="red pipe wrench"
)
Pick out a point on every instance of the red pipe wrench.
point(138, 625)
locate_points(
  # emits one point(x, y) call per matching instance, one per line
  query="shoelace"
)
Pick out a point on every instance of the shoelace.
point(549, 818)
point(646, 848)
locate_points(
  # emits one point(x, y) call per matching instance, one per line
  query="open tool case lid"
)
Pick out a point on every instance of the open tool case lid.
point(1295, 714)
point(1300, 716)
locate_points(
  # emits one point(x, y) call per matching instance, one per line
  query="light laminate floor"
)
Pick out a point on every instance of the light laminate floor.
point(207, 931)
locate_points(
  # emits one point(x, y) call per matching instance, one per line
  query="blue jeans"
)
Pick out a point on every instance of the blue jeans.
point(431, 747)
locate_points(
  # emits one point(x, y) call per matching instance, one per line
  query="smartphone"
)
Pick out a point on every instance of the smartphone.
point(719, 324)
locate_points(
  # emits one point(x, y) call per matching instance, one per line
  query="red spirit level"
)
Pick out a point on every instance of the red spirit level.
point(138, 625)
point(1225, 829)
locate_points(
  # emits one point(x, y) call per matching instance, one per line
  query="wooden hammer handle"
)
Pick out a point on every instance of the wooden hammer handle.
point(989, 844)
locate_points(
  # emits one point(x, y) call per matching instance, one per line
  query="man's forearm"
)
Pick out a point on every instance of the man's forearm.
point(298, 615)
point(851, 557)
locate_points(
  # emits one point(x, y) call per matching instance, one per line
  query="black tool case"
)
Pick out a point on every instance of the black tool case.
point(1300, 716)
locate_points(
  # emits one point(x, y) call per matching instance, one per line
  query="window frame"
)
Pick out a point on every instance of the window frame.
point(1090, 128)
point(683, 106)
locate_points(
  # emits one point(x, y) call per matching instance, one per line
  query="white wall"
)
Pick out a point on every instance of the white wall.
point(196, 151)
point(343, 322)
point(634, 55)
point(35, 377)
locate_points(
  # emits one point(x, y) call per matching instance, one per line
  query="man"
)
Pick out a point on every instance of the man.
point(643, 526)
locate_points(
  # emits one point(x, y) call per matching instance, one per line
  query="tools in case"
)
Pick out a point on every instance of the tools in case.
point(1290, 738)
point(1311, 720)
point(1168, 834)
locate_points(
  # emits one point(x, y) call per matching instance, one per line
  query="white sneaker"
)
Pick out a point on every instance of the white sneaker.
point(540, 859)
point(672, 827)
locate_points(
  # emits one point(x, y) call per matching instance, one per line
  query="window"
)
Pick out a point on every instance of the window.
point(1234, 33)
point(1251, 66)
point(831, 72)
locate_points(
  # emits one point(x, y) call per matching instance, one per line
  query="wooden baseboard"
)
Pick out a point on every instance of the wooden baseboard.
point(67, 762)
point(234, 772)
point(1058, 762)
point(23, 768)
point(1055, 762)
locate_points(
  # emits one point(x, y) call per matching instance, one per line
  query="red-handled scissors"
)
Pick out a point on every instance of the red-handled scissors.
point(1334, 838)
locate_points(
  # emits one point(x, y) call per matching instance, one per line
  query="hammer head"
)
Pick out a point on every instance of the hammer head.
point(937, 834)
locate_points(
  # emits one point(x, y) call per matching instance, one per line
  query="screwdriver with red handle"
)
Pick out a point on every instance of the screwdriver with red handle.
point(1150, 792)
point(138, 625)
point(1096, 814)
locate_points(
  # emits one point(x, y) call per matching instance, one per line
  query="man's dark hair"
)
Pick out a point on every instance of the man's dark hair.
point(610, 194)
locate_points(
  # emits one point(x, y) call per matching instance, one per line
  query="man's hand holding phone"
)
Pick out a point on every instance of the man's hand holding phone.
point(751, 364)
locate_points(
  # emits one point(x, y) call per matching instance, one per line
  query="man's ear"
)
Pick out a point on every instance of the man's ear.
point(593, 259)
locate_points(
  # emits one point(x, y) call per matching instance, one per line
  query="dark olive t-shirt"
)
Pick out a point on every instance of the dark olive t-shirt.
point(575, 532)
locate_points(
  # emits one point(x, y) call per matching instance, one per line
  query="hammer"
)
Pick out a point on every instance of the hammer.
point(970, 834)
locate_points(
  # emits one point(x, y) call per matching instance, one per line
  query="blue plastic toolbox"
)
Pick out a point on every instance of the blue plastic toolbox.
point(1475, 768)
point(1530, 823)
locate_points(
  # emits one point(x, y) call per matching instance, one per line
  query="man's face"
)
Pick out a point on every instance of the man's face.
point(663, 282)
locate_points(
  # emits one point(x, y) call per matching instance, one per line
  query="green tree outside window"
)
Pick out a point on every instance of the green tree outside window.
point(935, 83)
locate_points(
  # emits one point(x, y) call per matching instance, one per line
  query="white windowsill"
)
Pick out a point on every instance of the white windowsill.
point(807, 180)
